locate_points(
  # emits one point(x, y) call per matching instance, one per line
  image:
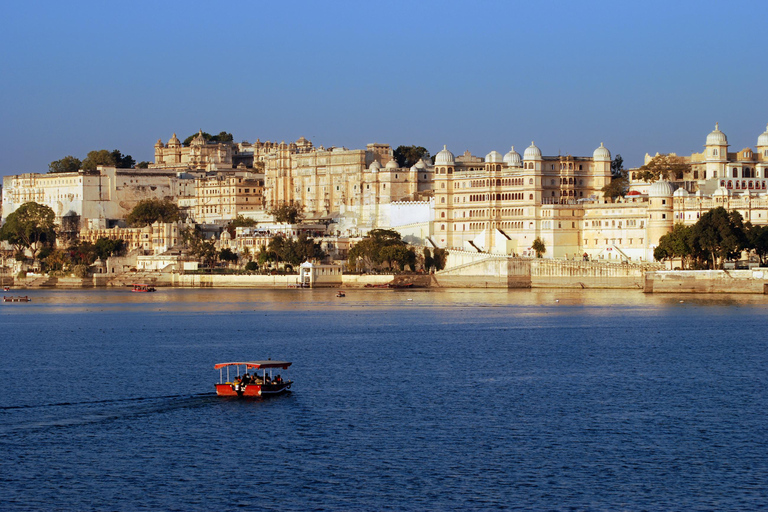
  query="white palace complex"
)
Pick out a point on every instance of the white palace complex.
point(498, 204)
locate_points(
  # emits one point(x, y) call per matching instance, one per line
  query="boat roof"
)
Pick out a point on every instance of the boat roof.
point(256, 364)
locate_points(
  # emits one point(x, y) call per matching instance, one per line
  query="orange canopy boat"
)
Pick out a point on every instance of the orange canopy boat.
point(264, 381)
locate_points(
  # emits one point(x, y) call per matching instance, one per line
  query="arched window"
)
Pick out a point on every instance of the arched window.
point(442, 200)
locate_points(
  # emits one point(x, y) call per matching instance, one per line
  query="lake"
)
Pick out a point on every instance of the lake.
point(403, 400)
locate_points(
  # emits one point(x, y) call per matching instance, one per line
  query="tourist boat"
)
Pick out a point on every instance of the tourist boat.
point(20, 298)
point(340, 294)
point(263, 382)
point(6, 288)
point(143, 288)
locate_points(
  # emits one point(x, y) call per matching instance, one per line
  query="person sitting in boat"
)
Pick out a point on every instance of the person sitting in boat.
point(278, 379)
point(246, 379)
point(236, 385)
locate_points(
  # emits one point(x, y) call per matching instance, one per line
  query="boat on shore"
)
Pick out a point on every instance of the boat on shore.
point(340, 294)
point(143, 288)
point(264, 381)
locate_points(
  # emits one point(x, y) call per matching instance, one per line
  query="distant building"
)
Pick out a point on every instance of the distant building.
point(89, 199)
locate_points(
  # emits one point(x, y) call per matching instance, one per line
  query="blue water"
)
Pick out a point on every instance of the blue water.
point(470, 400)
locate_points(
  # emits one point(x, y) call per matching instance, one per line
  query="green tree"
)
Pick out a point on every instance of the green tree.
point(429, 262)
point(676, 244)
point(239, 222)
point(440, 258)
point(538, 247)
point(149, 211)
point(228, 256)
point(31, 226)
point(618, 186)
point(757, 237)
point(663, 167)
point(221, 137)
point(287, 213)
point(66, 164)
point(143, 165)
point(718, 236)
point(407, 156)
point(379, 250)
point(617, 166)
point(106, 247)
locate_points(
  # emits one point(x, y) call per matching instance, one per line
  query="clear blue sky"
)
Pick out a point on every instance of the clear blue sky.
point(482, 75)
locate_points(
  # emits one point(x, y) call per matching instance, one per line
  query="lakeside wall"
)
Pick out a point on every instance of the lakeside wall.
point(487, 272)
point(707, 281)
point(478, 270)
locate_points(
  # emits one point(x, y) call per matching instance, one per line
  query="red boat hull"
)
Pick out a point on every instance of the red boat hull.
point(253, 390)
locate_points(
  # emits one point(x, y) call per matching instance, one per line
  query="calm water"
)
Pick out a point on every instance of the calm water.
point(470, 400)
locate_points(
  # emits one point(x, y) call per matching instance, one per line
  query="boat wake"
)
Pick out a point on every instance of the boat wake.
point(31, 418)
point(108, 401)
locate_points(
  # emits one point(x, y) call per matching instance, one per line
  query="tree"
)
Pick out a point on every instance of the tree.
point(149, 211)
point(429, 262)
point(143, 165)
point(239, 222)
point(538, 246)
point(440, 258)
point(31, 226)
point(228, 256)
point(617, 166)
point(221, 137)
point(106, 247)
point(662, 167)
point(66, 164)
point(675, 244)
point(718, 236)
point(287, 213)
point(757, 237)
point(381, 248)
point(618, 186)
point(407, 156)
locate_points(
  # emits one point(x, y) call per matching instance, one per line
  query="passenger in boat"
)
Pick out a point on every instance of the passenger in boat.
point(246, 379)
point(278, 379)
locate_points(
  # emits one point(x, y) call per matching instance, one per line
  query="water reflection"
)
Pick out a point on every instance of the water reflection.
point(218, 300)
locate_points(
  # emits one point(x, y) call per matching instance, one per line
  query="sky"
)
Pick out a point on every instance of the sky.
point(641, 77)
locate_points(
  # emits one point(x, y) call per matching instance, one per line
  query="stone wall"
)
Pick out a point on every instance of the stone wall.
point(707, 281)
point(470, 269)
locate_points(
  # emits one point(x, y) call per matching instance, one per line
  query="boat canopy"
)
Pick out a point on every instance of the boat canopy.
point(256, 364)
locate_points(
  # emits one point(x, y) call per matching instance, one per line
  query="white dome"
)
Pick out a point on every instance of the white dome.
point(444, 157)
point(494, 157)
point(375, 166)
point(420, 165)
point(532, 152)
point(661, 189)
point(601, 154)
point(392, 164)
point(414, 168)
point(716, 137)
point(721, 191)
point(681, 192)
point(513, 158)
point(762, 140)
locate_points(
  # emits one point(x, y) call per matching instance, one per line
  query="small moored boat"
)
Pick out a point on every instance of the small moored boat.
point(264, 381)
point(20, 298)
point(145, 288)
point(341, 294)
